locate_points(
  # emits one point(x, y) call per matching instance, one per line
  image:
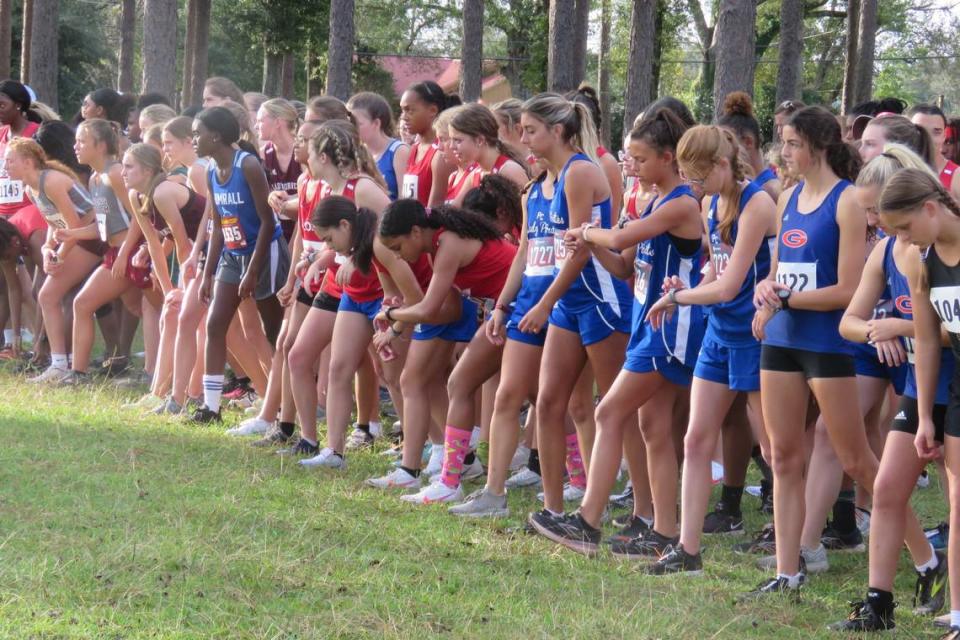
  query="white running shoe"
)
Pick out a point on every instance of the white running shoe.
point(359, 439)
point(147, 402)
point(393, 452)
point(250, 427)
point(863, 521)
point(396, 479)
point(482, 504)
point(520, 458)
point(523, 478)
point(246, 401)
point(472, 471)
point(571, 493)
point(754, 490)
point(434, 493)
point(326, 458)
point(51, 374)
point(435, 464)
point(815, 560)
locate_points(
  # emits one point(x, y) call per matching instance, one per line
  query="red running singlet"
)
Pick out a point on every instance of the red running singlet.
point(418, 178)
point(946, 174)
point(486, 274)
point(13, 196)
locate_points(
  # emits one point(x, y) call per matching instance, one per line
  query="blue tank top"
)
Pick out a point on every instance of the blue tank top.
point(658, 258)
point(234, 204)
point(385, 165)
point(538, 274)
point(595, 284)
point(730, 322)
point(902, 307)
point(764, 177)
point(808, 251)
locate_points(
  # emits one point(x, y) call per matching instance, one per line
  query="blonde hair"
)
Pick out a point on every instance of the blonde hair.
point(441, 124)
point(31, 149)
point(894, 158)
point(158, 114)
point(45, 111)
point(224, 88)
point(150, 159)
point(282, 110)
point(702, 146)
point(105, 131)
point(154, 135)
point(574, 117)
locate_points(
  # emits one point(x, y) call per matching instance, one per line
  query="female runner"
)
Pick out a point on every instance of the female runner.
point(425, 177)
point(376, 129)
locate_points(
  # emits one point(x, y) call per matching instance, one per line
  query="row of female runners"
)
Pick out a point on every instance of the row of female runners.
point(495, 259)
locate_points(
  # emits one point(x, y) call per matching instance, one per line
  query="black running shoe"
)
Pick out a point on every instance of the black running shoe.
point(864, 617)
point(676, 560)
point(834, 540)
point(272, 438)
point(571, 531)
point(301, 448)
point(203, 415)
point(773, 586)
point(765, 543)
point(650, 544)
point(623, 500)
point(630, 527)
point(722, 521)
point(929, 596)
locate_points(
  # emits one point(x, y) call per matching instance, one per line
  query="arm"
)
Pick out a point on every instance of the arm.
point(669, 217)
point(451, 254)
point(155, 249)
point(515, 276)
point(400, 157)
point(165, 199)
point(515, 173)
point(257, 181)
point(441, 173)
point(213, 252)
point(853, 325)
point(58, 190)
point(398, 278)
point(926, 350)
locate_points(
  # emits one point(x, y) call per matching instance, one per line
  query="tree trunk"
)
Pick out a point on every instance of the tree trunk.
point(790, 54)
point(866, 45)
point(201, 48)
point(471, 53)
point(189, 47)
point(44, 59)
point(735, 42)
point(25, 41)
point(561, 75)
point(128, 29)
point(6, 36)
point(640, 64)
point(603, 73)
point(657, 49)
point(581, 28)
point(849, 98)
point(340, 49)
point(287, 76)
point(272, 73)
point(314, 86)
point(159, 47)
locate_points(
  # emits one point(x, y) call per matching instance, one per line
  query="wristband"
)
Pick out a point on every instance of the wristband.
point(673, 298)
point(584, 234)
point(388, 313)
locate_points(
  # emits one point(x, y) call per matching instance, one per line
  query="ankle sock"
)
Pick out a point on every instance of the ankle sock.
point(364, 427)
point(286, 428)
point(534, 462)
point(58, 360)
point(575, 468)
point(457, 445)
point(731, 496)
point(413, 472)
point(212, 389)
point(792, 581)
point(955, 617)
point(929, 564)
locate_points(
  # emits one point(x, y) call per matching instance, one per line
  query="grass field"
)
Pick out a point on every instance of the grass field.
point(114, 526)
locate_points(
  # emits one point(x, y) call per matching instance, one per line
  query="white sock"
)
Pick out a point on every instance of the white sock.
point(375, 429)
point(474, 437)
point(212, 389)
point(792, 581)
point(70, 360)
point(8, 335)
point(929, 564)
point(436, 451)
point(59, 360)
point(312, 443)
point(954, 618)
point(646, 521)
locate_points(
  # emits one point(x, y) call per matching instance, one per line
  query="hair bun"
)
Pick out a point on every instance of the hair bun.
point(738, 103)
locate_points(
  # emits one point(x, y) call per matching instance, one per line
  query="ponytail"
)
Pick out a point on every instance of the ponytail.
point(844, 160)
point(330, 211)
point(821, 131)
point(401, 216)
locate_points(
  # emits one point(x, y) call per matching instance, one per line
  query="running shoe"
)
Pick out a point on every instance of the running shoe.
point(146, 402)
point(814, 560)
point(923, 480)
point(524, 478)
point(720, 520)
point(168, 407)
point(930, 592)
point(753, 490)
point(650, 544)
point(520, 458)
point(634, 527)
point(482, 504)
point(435, 462)
point(273, 438)
point(74, 378)
point(114, 367)
point(301, 448)
point(851, 541)
point(395, 452)
point(236, 388)
point(716, 473)
point(51, 374)
point(473, 471)
point(133, 379)
point(250, 427)
point(943, 622)
point(863, 521)
point(764, 543)
point(571, 493)
point(203, 415)
point(939, 536)
point(327, 458)
point(676, 560)
point(244, 401)
point(569, 530)
point(773, 586)
point(359, 439)
point(623, 500)
point(396, 479)
point(865, 617)
point(434, 493)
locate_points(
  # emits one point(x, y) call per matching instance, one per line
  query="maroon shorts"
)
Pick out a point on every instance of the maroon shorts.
point(139, 277)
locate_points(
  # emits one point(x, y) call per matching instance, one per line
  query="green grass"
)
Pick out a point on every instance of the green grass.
point(113, 526)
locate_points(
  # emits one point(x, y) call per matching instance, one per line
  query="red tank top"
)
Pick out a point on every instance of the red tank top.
point(497, 166)
point(29, 220)
point(308, 202)
point(486, 274)
point(363, 287)
point(469, 178)
point(631, 196)
point(601, 151)
point(13, 196)
point(946, 175)
point(418, 178)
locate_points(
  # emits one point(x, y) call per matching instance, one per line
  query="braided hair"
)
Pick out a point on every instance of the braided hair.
point(338, 140)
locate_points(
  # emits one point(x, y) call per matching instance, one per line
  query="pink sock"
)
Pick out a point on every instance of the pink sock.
point(456, 447)
point(578, 475)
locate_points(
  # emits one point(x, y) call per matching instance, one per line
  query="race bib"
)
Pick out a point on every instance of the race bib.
point(641, 283)
point(233, 236)
point(721, 256)
point(946, 302)
point(799, 276)
point(540, 254)
point(102, 225)
point(884, 309)
point(411, 186)
point(908, 347)
point(11, 191)
point(339, 259)
point(312, 246)
point(559, 249)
